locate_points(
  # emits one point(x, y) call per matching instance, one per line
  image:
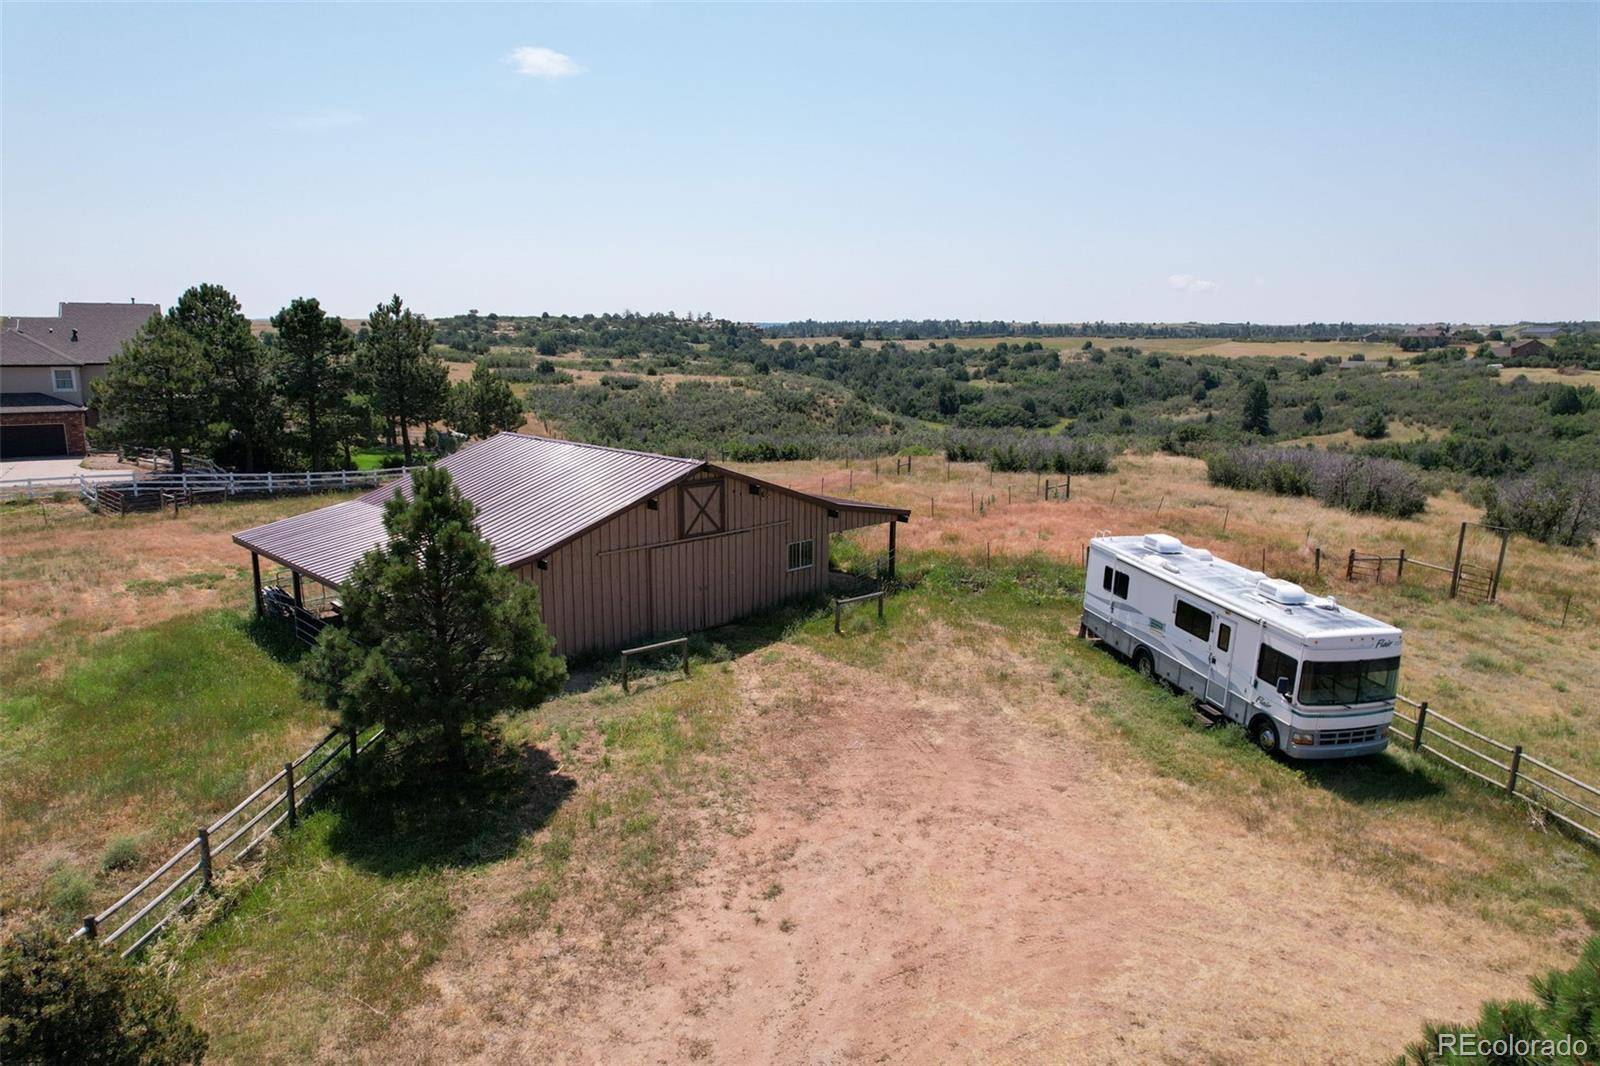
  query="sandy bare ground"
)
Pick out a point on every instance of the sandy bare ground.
point(935, 877)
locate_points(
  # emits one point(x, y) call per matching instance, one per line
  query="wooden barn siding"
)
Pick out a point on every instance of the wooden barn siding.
point(633, 577)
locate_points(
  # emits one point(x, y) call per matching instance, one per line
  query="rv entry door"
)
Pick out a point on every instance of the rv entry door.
point(1221, 656)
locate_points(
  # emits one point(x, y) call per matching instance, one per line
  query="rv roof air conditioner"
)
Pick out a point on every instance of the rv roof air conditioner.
point(1285, 592)
point(1163, 544)
point(1202, 554)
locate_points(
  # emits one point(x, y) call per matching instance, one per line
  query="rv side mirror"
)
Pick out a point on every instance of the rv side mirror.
point(1283, 687)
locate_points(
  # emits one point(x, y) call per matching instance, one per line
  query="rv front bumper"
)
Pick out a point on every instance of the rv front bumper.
point(1330, 745)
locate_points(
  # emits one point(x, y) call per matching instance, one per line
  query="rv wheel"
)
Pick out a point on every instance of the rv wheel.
point(1264, 731)
point(1145, 663)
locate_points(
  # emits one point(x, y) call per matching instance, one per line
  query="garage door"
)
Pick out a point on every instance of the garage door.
point(24, 442)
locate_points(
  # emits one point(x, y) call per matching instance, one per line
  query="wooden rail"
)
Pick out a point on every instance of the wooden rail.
point(174, 886)
point(1559, 795)
point(628, 653)
point(840, 604)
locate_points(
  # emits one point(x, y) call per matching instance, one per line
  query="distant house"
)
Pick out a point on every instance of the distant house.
point(46, 367)
point(1424, 337)
point(1517, 351)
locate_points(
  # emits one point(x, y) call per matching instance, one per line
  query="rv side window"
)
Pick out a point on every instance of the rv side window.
point(1105, 580)
point(1119, 586)
point(1224, 635)
point(1274, 664)
point(1193, 620)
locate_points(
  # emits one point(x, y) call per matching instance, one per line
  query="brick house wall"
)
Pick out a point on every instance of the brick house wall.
point(77, 442)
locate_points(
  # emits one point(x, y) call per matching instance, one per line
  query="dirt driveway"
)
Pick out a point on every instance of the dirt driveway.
point(939, 878)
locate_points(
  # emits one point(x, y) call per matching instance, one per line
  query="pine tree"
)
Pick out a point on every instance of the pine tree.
point(483, 405)
point(247, 414)
point(1257, 408)
point(157, 391)
point(312, 367)
point(437, 639)
point(407, 383)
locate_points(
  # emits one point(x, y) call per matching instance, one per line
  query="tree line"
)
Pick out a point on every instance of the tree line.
point(304, 395)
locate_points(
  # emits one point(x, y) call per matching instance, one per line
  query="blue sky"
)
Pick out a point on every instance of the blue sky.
point(1271, 163)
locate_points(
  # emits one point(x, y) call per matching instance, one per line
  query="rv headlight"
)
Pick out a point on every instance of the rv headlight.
point(1308, 739)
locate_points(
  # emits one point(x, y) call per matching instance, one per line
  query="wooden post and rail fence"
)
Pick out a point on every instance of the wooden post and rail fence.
point(839, 604)
point(660, 645)
point(1555, 793)
point(177, 884)
point(1467, 578)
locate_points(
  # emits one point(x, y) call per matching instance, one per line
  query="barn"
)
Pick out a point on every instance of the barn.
point(623, 545)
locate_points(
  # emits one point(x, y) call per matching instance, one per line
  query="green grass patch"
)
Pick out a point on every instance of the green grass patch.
point(583, 809)
point(319, 948)
point(377, 459)
point(147, 731)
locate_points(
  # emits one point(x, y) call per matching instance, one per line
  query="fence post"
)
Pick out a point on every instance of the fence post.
point(91, 926)
point(204, 836)
point(838, 612)
point(1226, 510)
point(624, 673)
point(881, 596)
point(1400, 568)
point(685, 658)
point(1350, 566)
point(288, 777)
point(355, 747)
point(1516, 762)
point(1422, 719)
point(1317, 555)
point(1455, 571)
point(1499, 565)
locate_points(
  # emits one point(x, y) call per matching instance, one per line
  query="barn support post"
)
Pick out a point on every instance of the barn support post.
point(893, 522)
point(255, 589)
point(299, 590)
point(1455, 571)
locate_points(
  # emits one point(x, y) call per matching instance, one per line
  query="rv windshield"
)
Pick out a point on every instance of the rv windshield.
point(1358, 681)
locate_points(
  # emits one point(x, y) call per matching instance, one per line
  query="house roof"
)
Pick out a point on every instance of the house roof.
point(34, 403)
point(45, 341)
point(533, 494)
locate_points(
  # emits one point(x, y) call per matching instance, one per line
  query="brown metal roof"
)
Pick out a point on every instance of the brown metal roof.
point(533, 494)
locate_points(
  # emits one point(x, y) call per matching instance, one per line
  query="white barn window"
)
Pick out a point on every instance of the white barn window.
point(802, 554)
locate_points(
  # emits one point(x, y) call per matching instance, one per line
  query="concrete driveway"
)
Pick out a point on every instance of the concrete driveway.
point(69, 466)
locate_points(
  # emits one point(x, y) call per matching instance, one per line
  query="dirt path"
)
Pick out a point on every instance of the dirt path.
point(931, 879)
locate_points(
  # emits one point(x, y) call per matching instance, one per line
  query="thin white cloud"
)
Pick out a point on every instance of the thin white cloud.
point(538, 62)
point(327, 118)
point(1190, 283)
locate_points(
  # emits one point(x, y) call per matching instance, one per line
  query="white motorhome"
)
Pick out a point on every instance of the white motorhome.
point(1306, 676)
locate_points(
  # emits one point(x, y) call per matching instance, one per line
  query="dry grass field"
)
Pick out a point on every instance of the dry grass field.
point(962, 835)
point(1507, 668)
